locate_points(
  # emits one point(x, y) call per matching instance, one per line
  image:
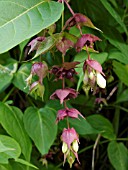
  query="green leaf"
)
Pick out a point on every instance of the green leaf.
point(70, 37)
point(22, 47)
point(46, 45)
point(25, 163)
point(118, 155)
point(82, 126)
point(114, 3)
point(11, 120)
point(12, 149)
point(121, 71)
point(28, 19)
point(3, 168)
point(40, 126)
point(115, 15)
point(96, 11)
point(119, 56)
point(115, 38)
point(103, 125)
point(54, 104)
point(3, 148)
point(20, 77)
point(123, 97)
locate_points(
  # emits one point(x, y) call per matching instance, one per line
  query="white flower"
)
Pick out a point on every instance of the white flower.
point(64, 147)
point(75, 146)
point(100, 80)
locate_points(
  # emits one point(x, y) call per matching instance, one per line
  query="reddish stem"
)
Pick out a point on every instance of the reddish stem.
point(80, 29)
point(63, 83)
point(70, 9)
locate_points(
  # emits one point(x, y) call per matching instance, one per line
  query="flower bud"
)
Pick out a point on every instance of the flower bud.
point(71, 160)
point(100, 80)
point(64, 147)
point(28, 80)
point(40, 69)
point(75, 146)
point(85, 80)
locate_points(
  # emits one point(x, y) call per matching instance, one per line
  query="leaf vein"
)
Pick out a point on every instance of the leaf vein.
point(22, 14)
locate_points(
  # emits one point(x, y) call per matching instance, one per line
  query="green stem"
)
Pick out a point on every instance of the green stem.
point(119, 107)
point(62, 19)
point(7, 96)
point(122, 139)
point(94, 149)
point(116, 118)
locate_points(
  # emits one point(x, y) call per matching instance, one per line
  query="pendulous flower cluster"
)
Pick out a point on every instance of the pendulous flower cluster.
point(93, 75)
point(69, 136)
point(40, 70)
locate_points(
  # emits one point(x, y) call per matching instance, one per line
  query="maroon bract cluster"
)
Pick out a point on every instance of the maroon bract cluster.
point(64, 44)
point(64, 94)
point(67, 70)
point(101, 100)
point(78, 19)
point(93, 65)
point(34, 44)
point(67, 112)
point(86, 40)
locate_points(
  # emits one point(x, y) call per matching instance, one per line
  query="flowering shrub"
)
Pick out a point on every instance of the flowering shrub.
point(63, 84)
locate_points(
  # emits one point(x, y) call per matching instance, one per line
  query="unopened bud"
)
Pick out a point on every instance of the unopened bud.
point(91, 75)
point(71, 161)
point(85, 80)
point(64, 147)
point(75, 146)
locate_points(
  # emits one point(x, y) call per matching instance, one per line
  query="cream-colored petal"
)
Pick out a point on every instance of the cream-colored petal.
point(75, 146)
point(100, 80)
point(64, 147)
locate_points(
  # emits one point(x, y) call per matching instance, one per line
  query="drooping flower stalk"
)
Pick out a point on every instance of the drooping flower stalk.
point(93, 76)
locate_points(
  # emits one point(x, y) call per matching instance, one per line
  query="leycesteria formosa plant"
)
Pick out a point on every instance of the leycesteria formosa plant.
point(93, 74)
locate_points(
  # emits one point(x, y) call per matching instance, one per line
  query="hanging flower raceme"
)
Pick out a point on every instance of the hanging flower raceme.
point(64, 94)
point(86, 40)
point(40, 70)
point(67, 112)
point(70, 145)
point(93, 74)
